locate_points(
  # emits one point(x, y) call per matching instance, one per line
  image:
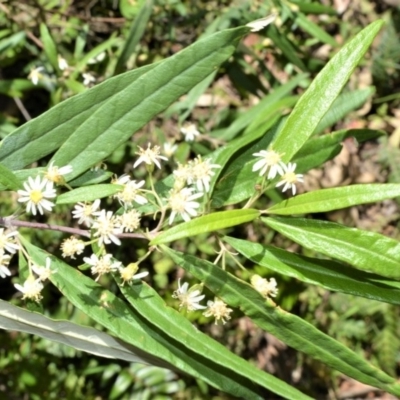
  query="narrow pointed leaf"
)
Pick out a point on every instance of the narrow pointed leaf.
point(114, 122)
point(289, 328)
point(90, 340)
point(150, 305)
point(127, 324)
point(88, 193)
point(364, 250)
point(331, 275)
point(207, 223)
point(323, 91)
point(314, 30)
point(334, 199)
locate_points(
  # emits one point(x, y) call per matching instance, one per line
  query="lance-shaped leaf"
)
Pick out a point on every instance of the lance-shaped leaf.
point(8, 179)
point(90, 126)
point(289, 328)
point(333, 199)
point(127, 324)
point(90, 340)
point(331, 275)
point(322, 92)
point(208, 223)
point(150, 305)
point(89, 193)
point(368, 251)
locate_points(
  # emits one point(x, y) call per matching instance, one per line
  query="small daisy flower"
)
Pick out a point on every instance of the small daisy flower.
point(62, 63)
point(88, 79)
point(183, 203)
point(189, 298)
point(85, 212)
point(201, 173)
point(8, 241)
point(102, 265)
point(36, 193)
point(35, 75)
point(72, 246)
point(263, 286)
point(31, 289)
point(149, 156)
point(289, 178)
point(271, 160)
point(106, 228)
point(169, 149)
point(129, 273)
point(129, 221)
point(43, 273)
point(56, 175)
point(4, 261)
point(219, 310)
point(190, 132)
point(130, 192)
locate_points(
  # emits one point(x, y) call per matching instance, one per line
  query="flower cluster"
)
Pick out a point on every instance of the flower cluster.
point(270, 161)
point(189, 300)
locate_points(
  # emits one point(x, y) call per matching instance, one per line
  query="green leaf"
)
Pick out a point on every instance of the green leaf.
point(367, 251)
point(289, 328)
point(79, 337)
point(321, 94)
point(127, 324)
point(328, 274)
point(313, 8)
point(207, 223)
point(314, 30)
point(49, 46)
point(143, 99)
point(334, 199)
point(151, 306)
point(136, 32)
point(343, 105)
point(8, 179)
point(88, 193)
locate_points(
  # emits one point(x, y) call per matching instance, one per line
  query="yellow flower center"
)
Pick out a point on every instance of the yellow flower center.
point(36, 196)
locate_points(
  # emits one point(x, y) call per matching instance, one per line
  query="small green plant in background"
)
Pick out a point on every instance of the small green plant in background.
point(180, 198)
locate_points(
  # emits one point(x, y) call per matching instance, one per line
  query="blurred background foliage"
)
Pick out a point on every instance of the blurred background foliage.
point(101, 38)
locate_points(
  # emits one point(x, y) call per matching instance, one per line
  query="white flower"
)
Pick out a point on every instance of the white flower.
point(129, 221)
point(169, 149)
point(4, 260)
point(72, 246)
point(8, 242)
point(149, 156)
point(289, 178)
point(218, 309)
point(43, 273)
point(190, 132)
point(201, 173)
point(36, 193)
point(129, 273)
point(130, 192)
point(62, 63)
point(271, 160)
point(182, 175)
point(261, 23)
point(106, 228)
point(31, 288)
point(35, 76)
point(183, 203)
point(102, 265)
point(55, 174)
point(88, 79)
point(263, 286)
point(85, 212)
point(189, 299)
